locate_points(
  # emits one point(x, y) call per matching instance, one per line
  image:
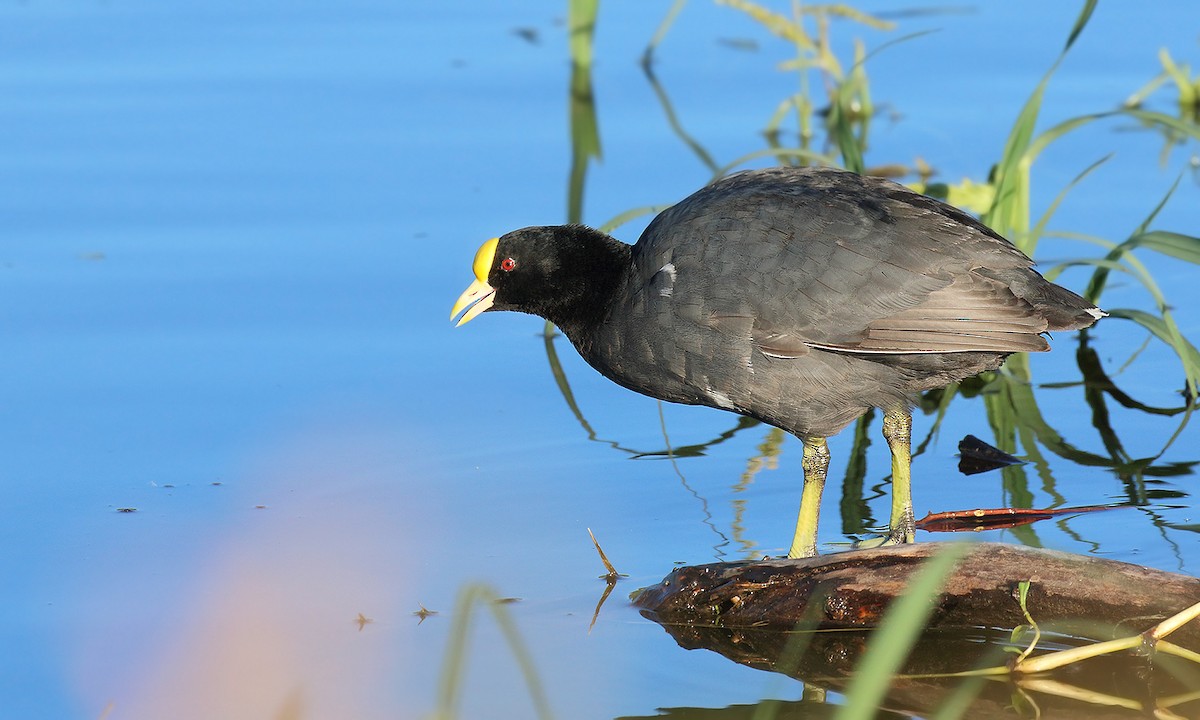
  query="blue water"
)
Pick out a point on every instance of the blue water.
point(231, 238)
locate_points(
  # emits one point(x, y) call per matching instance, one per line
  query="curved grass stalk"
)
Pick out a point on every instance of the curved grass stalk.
point(454, 664)
point(676, 126)
point(1009, 214)
point(1022, 599)
point(1163, 327)
point(811, 155)
point(1028, 672)
point(661, 32)
point(1096, 286)
point(1060, 689)
point(629, 215)
point(1040, 227)
point(1183, 127)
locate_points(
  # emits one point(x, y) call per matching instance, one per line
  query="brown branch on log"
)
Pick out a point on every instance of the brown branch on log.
point(998, 518)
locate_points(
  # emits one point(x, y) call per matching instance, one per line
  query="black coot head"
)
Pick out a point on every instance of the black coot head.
point(548, 271)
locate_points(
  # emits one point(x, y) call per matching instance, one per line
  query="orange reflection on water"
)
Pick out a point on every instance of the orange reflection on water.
point(303, 609)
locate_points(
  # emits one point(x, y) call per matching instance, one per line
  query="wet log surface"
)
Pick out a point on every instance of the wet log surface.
point(1072, 594)
point(746, 610)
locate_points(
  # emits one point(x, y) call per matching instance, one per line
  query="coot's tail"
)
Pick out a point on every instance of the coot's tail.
point(1063, 309)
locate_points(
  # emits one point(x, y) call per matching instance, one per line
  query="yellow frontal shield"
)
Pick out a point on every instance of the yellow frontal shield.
point(478, 296)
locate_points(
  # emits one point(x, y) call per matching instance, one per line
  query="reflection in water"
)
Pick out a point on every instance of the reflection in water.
point(296, 609)
point(610, 580)
point(855, 510)
point(985, 518)
point(676, 127)
point(719, 548)
point(585, 128)
point(1089, 633)
point(667, 451)
point(975, 456)
point(1097, 385)
point(1105, 687)
point(1014, 414)
point(768, 453)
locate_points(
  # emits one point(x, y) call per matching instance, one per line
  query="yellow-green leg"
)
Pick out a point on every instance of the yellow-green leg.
point(897, 429)
point(815, 465)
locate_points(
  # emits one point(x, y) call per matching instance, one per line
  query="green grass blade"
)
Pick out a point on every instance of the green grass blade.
point(585, 139)
point(1158, 208)
point(1177, 245)
point(621, 218)
point(1053, 272)
point(1155, 118)
point(1009, 215)
point(777, 24)
point(799, 153)
point(1040, 227)
point(853, 111)
point(896, 41)
point(454, 662)
point(890, 643)
point(1080, 22)
point(851, 108)
point(849, 13)
point(1012, 173)
point(1117, 252)
point(1140, 95)
point(1049, 136)
point(1189, 90)
point(1165, 329)
point(842, 129)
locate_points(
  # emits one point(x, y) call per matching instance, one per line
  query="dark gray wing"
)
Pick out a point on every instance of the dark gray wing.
point(818, 258)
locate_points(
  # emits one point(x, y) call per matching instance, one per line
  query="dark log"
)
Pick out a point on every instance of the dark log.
point(1073, 594)
point(745, 611)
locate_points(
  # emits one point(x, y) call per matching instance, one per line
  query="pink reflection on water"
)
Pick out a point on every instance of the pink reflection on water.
point(300, 609)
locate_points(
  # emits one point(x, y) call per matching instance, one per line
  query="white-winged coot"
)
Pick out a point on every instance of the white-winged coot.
point(801, 297)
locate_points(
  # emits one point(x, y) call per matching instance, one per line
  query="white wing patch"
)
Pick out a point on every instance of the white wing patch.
point(721, 399)
point(660, 279)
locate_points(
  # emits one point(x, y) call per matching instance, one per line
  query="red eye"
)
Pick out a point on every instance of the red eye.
point(507, 264)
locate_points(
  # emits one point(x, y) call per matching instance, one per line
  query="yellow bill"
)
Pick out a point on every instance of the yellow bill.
point(478, 296)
